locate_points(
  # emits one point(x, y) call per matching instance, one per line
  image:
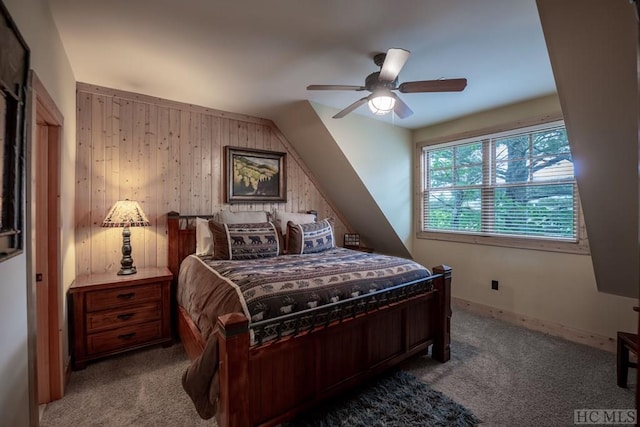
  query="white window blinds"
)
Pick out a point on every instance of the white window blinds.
point(519, 183)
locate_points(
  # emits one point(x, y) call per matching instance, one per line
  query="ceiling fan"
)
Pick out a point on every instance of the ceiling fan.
point(382, 100)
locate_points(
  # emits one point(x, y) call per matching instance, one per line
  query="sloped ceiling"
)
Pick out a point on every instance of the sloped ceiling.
point(364, 167)
point(593, 47)
point(251, 57)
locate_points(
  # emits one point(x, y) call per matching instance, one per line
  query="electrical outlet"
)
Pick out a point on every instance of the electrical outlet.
point(494, 285)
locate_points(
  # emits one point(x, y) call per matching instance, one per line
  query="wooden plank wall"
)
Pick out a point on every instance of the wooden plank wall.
point(169, 157)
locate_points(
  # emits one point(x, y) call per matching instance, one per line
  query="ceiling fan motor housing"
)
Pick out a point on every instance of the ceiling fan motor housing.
point(379, 58)
point(372, 83)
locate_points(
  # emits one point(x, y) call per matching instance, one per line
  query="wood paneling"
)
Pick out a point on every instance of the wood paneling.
point(167, 156)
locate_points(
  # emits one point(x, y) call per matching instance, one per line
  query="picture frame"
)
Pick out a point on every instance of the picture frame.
point(14, 97)
point(255, 176)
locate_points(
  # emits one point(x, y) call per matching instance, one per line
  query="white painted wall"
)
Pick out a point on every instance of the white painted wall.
point(552, 287)
point(381, 154)
point(14, 387)
point(50, 62)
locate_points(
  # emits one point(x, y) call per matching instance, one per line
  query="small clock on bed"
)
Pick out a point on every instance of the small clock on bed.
point(351, 240)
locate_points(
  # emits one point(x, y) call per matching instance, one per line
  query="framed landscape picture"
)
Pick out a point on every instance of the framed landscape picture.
point(255, 176)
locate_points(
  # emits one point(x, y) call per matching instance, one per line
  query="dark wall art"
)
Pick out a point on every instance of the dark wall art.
point(255, 176)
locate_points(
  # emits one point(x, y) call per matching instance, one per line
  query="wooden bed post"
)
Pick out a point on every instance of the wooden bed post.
point(441, 346)
point(233, 348)
point(173, 226)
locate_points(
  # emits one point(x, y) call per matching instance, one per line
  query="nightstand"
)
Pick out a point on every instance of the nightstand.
point(111, 314)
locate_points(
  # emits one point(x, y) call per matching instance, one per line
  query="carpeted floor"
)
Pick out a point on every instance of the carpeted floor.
point(136, 389)
point(511, 376)
point(506, 375)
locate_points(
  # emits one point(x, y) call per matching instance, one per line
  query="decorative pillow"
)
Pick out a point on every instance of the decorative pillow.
point(296, 218)
point(204, 238)
point(243, 217)
point(310, 238)
point(244, 241)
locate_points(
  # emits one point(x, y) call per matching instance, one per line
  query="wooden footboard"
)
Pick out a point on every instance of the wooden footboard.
point(265, 384)
point(269, 383)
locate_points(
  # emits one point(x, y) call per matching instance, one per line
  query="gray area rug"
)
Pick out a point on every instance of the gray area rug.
point(397, 399)
point(506, 375)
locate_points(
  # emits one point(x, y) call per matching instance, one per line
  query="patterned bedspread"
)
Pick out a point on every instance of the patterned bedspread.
point(270, 287)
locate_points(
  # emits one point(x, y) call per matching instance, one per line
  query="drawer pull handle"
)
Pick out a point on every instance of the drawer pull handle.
point(127, 296)
point(127, 336)
point(126, 316)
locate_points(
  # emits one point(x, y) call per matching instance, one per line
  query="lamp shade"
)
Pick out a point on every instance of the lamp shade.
point(382, 103)
point(126, 213)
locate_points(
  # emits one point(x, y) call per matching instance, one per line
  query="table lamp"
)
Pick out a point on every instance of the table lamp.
point(126, 213)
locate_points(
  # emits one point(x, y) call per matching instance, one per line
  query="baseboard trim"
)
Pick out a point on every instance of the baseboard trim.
point(551, 328)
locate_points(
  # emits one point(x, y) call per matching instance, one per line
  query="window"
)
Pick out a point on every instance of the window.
point(504, 188)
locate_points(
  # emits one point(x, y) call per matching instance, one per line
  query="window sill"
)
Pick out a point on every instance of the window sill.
point(579, 248)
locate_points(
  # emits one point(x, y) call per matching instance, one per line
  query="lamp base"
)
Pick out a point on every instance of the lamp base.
point(126, 263)
point(126, 271)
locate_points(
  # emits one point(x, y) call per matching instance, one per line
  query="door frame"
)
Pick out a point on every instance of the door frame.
point(43, 110)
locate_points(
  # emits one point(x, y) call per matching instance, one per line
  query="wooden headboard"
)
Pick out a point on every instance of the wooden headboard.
point(182, 239)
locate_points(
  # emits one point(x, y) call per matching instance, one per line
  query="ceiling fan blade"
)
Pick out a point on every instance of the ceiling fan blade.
point(351, 107)
point(335, 87)
point(448, 85)
point(393, 63)
point(400, 108)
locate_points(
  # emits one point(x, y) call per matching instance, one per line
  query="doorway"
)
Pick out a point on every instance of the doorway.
point(46, 244)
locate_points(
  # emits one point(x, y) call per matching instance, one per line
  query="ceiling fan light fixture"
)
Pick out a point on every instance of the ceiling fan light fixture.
point(382, 104)
point(380, 84)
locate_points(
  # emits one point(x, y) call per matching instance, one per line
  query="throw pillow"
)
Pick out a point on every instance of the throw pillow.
point(310, 238)
point(204, 238)
point(244, 241)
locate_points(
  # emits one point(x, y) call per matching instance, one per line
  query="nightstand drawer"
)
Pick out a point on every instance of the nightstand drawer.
point(101, 300)
point(128, 336)
point(116, 318)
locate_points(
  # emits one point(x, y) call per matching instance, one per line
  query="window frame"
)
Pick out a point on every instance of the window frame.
point(580, 246)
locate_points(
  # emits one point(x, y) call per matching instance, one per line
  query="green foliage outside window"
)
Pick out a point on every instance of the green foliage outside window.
point(519, 185)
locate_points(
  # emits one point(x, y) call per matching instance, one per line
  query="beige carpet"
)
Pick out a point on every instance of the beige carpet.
point(510, 376)
point(141, 388)
point(506, 375)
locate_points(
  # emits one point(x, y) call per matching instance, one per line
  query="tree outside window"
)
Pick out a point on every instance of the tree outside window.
point(518, 183)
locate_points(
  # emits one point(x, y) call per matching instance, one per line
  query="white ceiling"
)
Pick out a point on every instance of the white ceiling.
point(253, 56)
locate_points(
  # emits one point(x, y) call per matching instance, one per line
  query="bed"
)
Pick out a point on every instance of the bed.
point(271, 367)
